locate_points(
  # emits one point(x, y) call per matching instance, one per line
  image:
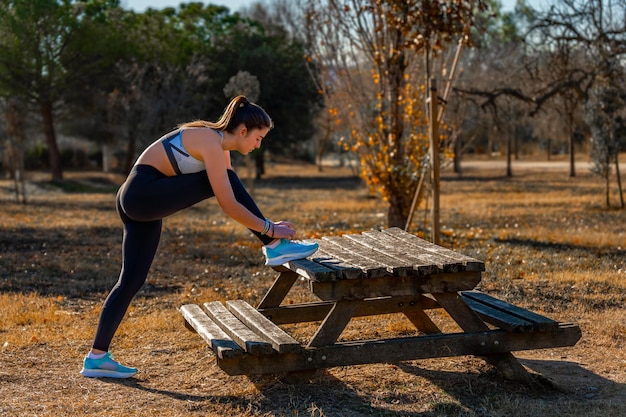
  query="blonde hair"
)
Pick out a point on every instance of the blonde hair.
point(239, 110)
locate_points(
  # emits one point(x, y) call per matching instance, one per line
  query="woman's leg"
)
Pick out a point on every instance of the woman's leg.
point(139, 245)
point(148, 196)
point(159, 196)
point(242, 196)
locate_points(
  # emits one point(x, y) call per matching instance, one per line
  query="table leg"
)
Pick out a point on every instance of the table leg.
point(422, 322)
point(470, 322)
point(279, 289)
point(334, 323)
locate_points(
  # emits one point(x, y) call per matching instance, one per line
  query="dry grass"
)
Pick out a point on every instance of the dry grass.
point(547, 242)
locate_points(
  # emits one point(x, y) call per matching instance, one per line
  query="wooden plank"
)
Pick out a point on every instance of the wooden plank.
point(317, 311)
point(460, 312)
point(246, 338)
point(223, 346)
point(492, 342)
point(499, 318)
point(395, 266)
point(343, 270)
point(257, 322)
point(279, 289)
point(314, 271)
point(539, 322)
point(470, 322)
point(422, 322)
point(470, 264)
point(389, 245)
point(446, 263)
point(370, 269)
point(396, 286)
point(334, 323)
point(410, 245)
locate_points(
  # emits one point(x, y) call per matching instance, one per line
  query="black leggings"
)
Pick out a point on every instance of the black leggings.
point(143, 201)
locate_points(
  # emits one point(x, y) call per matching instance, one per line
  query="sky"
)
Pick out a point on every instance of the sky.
point(235, 5)
point(141, 5)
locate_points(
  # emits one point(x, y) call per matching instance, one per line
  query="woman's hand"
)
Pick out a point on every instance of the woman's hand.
point(283, 230)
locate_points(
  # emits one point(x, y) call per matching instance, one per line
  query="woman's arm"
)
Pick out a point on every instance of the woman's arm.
point(206, 144)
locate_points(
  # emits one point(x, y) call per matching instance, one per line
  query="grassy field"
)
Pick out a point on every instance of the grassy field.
point(547, 241)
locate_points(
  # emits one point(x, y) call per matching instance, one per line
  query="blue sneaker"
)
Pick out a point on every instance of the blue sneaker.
point(288, 250)
point(106, 367)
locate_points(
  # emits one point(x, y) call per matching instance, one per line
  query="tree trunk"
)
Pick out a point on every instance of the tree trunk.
point(572, 153)
point(53, 150)
point(509, 170)
point(106, 158)
point(131, 146)
point(395, 216)
point(457, 157)
point(619, 182)
point(607, 190)
point(259, 164)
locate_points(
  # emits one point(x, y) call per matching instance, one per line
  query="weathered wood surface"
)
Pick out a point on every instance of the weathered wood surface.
point(370, 255)
point(372, 273)
point(497, 310)
point(395, 286)
point(421, 245)
point(499, 318)
point(470, 322)
point(394, 350)
point(257, 322)
point(279, 289)
point(239, 332)
point(375, 254)
point(318, 310)
point(334, 323)
point(223, 346)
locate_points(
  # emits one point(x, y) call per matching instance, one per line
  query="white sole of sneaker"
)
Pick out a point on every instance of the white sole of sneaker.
point(104, 373)
point(279, 260)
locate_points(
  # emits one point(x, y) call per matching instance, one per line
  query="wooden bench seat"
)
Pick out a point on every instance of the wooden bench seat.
point(281, 342)
point(507, 316)
point(236, 328)
point(197, 320)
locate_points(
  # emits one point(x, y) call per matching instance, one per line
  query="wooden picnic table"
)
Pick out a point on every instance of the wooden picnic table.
point(369, 274)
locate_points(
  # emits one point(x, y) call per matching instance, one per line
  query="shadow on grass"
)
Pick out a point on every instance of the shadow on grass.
point(323, 395)
point(88, 185)
point(83, 261)
point(311, 182)
point(557, 382)
point(618, 253)
point(467, 393)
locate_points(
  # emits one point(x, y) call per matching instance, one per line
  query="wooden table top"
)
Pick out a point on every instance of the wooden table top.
point(375, 254)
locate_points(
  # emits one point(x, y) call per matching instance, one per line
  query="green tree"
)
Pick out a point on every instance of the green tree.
point(50, 50)
point(165, 76)
point(287, 90)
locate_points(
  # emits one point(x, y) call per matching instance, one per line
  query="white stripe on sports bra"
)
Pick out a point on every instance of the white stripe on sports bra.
point(181, 160)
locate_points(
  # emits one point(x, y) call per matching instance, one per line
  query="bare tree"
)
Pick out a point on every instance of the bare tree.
point(595, 29)
point(367, 53)
point(15, 142)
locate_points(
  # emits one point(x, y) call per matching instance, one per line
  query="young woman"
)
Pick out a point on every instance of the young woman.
point(182, 168)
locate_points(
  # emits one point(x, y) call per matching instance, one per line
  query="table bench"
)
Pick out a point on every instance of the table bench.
point(368, 274)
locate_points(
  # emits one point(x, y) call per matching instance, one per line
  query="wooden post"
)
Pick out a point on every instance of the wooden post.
point(434, 158)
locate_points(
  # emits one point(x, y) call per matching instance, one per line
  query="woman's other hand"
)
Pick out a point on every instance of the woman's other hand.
point(283, 230)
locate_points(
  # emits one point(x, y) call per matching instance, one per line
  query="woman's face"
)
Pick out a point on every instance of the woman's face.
point(250, 140)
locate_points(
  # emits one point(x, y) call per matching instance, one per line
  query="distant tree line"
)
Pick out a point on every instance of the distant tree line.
point(528, 80)
point(352, 75)
point(118, 78)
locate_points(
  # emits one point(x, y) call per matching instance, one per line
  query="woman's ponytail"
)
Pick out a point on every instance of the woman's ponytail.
point(239, 111)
